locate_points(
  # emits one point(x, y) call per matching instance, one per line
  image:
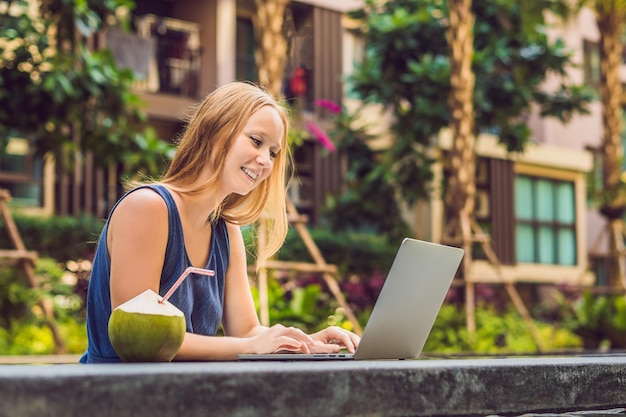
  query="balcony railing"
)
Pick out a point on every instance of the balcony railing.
point(175, 64)
point(164, 54)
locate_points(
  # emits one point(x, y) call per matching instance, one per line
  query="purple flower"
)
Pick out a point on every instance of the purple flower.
point(331, 106)
point(320, 135)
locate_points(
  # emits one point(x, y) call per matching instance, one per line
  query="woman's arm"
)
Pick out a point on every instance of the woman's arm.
point(136, 239)
point(240, 316)
point(244, 333)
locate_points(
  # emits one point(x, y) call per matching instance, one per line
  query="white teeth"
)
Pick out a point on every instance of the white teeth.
point(250, 173)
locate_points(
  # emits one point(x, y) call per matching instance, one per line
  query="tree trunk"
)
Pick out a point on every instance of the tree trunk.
point(462, 182)
point(271, 51)
point(610, 25)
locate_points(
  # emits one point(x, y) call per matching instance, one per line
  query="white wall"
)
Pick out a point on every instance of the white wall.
point(582, 130)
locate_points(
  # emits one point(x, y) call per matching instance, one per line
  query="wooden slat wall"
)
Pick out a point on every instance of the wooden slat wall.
point(89, 189)
point(327, 42)
point(327, 85)
point(502, 208)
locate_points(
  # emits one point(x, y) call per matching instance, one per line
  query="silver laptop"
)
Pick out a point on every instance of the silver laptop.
point(406, 308)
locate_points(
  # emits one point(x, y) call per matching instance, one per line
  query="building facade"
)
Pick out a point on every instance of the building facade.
point(181, 50)
point(534, 205)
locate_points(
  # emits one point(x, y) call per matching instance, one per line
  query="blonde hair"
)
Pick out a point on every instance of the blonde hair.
point(207, 139)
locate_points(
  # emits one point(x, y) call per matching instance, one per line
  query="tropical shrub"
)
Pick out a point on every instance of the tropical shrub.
point(600, 320)
point(62, 238)
point(23, 327)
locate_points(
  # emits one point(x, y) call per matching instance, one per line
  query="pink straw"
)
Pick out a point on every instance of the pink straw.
point(181, 278)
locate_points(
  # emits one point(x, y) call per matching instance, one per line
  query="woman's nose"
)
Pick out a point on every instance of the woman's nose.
point(263, 158)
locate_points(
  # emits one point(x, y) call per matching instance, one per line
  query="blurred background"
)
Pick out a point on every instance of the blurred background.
point(496, 126)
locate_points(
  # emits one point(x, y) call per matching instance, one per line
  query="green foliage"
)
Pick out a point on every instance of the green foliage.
point(15, 297)
point(73, 99)
point(362, 259)
point(63, 238)
point(305, 307)
point(352, 252)
point(23, 328)
point(406, 68)
point(21, 68)
point(25, 338)
point(310, 309)
point(449, 333)
point(368, 201)
point(496, 333)
point(598, 319)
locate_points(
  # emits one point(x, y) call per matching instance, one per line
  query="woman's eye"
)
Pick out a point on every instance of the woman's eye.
point(256, 141)
point(273, 154)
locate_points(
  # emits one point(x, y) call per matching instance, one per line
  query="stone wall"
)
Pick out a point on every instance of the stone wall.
point(469, 387)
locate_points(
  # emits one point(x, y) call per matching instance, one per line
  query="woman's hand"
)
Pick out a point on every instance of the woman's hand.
point(333, 339)
point(279, 338)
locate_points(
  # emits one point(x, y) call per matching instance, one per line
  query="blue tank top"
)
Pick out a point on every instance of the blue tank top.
point(199, 297)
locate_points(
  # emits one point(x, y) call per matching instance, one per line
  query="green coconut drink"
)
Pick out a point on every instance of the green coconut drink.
point(148, 328)
point(145, 330)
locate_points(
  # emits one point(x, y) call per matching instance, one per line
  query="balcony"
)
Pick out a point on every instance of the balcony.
point(175, 66)
point(164, 53)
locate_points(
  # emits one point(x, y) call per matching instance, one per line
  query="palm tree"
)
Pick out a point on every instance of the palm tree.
point(611, 16)
point(271, 51)
point(461, 187)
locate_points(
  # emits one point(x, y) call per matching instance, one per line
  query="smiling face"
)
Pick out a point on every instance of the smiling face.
point(252, 155)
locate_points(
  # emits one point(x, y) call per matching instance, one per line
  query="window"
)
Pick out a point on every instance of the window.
point(246, 65)
point(591, 63)
point(174, 46)
point(21, 173)
point(594, 177)
point(545, 217)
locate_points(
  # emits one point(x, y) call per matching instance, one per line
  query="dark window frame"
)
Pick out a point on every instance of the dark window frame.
point(555, 225)
point(245, 64)
point(591, 63)
point(28, 172)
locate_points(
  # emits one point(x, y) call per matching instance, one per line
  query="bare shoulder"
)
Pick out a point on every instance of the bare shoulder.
point(140, 210)
point(143, 201)
point(234, 231)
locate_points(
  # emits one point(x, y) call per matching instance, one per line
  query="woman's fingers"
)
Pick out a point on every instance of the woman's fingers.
point(284, 343)
point(290, 339)
point(281, 338)
point(355, 339)
point(293, 332)
point(321, 347)
point(337, 336)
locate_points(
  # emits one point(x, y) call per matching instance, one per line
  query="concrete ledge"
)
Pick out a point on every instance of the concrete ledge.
point(468, 387)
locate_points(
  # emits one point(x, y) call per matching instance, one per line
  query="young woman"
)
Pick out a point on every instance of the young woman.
point(229, 169)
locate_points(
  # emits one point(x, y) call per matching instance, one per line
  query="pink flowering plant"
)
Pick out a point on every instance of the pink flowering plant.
point(321, 136)
point(368, 200)
point(319, 133)
point(329, 105)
